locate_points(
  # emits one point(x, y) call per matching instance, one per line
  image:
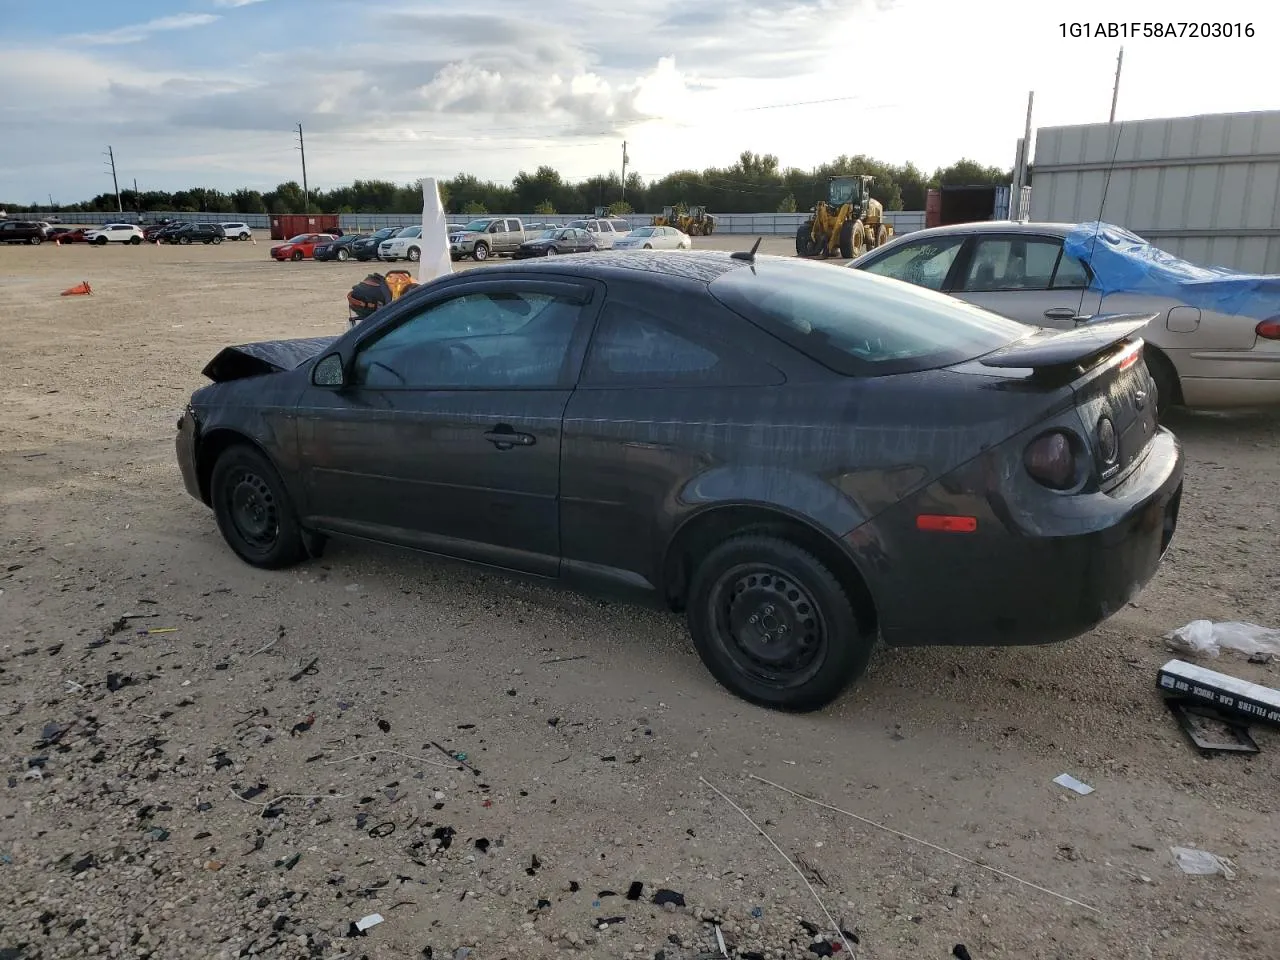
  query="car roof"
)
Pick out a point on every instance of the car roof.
point(673, 266)
point(996, 226)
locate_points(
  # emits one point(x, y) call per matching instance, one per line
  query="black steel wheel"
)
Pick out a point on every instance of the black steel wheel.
point(253, 509)
point(296, 256)
point(774, 625)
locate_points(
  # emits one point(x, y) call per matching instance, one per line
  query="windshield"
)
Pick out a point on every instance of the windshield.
point(579, 224)
point(642, 232)
point(410, 232)
point(477, 226)
point(546, 235)
point(858, 324)
point(300, 238)
point(386, 232)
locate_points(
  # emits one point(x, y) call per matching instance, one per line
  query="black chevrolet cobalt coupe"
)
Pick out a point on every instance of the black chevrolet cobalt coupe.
point(803, 459)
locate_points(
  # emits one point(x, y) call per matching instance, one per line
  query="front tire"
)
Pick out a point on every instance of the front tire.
point(344, 256)
point(295, 256)
point(481, 252)
point(36, 240)
point(134, 241)
point(774, 625)
point(253, 509)
point(414, 254)
point(551, 252)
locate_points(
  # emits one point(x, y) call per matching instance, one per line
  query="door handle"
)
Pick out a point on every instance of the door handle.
point(1060, 313)
point(508, 438)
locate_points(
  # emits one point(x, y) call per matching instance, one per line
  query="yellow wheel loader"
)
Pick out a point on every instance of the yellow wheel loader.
point(697, 222)
point(847, 224)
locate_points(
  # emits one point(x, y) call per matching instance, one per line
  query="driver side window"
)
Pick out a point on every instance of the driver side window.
point(924, 263)
point(494, 340)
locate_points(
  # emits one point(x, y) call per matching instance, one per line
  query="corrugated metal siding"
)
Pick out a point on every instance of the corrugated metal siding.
point(1205, 188)
point(903, 221)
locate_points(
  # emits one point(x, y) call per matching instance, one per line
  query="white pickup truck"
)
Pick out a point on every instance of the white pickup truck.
point(487, 237)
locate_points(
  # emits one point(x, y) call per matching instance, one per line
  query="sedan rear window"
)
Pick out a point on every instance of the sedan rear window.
point(858, 324)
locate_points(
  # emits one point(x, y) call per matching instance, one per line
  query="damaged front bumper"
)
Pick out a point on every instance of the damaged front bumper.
point(185, 443)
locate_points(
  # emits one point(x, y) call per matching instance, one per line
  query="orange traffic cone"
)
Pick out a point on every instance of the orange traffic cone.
point(81, 289)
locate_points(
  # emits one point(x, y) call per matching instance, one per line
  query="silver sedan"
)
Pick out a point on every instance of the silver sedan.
point(654, 238)
point(1199, 357)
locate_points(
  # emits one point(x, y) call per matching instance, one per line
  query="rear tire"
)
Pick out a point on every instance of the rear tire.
point(1168, 389)
point(253, 509)
point(774, 625)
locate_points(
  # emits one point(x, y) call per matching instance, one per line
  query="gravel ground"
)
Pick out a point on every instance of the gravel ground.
point(206, 760)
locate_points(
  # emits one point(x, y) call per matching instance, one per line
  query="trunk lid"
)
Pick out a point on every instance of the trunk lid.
point(1114, 394)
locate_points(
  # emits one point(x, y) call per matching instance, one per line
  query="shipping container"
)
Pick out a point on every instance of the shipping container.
point(1205, 188)
point(286, 225)
point(965, 204)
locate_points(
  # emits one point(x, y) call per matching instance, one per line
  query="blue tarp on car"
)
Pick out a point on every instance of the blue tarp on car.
point(1123, 262)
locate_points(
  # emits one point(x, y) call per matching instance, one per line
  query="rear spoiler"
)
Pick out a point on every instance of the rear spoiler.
point(1046, 349)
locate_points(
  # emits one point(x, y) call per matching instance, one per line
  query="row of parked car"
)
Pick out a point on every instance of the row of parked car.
point(484, 238)
point(36, 232)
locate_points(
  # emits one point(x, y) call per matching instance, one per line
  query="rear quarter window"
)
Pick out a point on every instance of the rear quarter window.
point(858, 324)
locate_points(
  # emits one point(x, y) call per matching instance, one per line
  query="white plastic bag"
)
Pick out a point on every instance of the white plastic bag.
point(1206, 637)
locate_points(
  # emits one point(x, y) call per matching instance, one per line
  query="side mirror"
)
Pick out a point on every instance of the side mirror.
point(329, 373)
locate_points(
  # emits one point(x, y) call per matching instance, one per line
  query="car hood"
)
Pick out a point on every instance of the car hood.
point(465, 234)
point(265, 356)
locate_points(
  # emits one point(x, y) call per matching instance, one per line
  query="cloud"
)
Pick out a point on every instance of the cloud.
point(141, 31)
point(234, 3)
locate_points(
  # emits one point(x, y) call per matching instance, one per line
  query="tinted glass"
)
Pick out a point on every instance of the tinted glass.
point(644, 232)
point(924, 263)
point(620, 225)
point(859, 324)
point(635, 348)
point(1011, 263)
point(478, 340)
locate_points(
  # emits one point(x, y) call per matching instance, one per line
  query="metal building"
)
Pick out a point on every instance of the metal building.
point(1204, 188)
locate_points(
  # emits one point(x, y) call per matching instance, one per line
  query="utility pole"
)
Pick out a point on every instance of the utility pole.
point(625, 158)
point(137, 198)
point(1115, 93)
point(111, 157)
point(306, 194)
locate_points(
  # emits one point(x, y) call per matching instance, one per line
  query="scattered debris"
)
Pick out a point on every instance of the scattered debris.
point(664, 896)
point(760, 830)
point(907, 836)
point(960, 953)
point(1201, 863)
point(302, 726)
point(384, 726)
point(634, 891)
point(307, 671)
point(1071, 783)
point(384, 829)
point(1208, 729)
point(372, 920)
point(1206, 638)
point(1230, 696)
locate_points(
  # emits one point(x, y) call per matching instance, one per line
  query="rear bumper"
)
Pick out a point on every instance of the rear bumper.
point(1084, 561)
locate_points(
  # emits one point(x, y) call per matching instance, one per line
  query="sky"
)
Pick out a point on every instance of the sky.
point(208, 92)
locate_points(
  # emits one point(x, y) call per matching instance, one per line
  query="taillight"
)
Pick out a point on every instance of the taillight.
point(1269, 329)
point(1051, 461)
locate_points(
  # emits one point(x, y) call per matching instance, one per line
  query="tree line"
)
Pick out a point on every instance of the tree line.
point(754, 183)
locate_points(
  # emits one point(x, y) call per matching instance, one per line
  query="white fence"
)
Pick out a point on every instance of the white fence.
point(903, 221)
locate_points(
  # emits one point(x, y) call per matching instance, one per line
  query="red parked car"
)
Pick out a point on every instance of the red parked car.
point(301, 247)
point(67, 235)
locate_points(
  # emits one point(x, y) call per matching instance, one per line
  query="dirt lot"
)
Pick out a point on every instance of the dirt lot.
point(586, 727)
